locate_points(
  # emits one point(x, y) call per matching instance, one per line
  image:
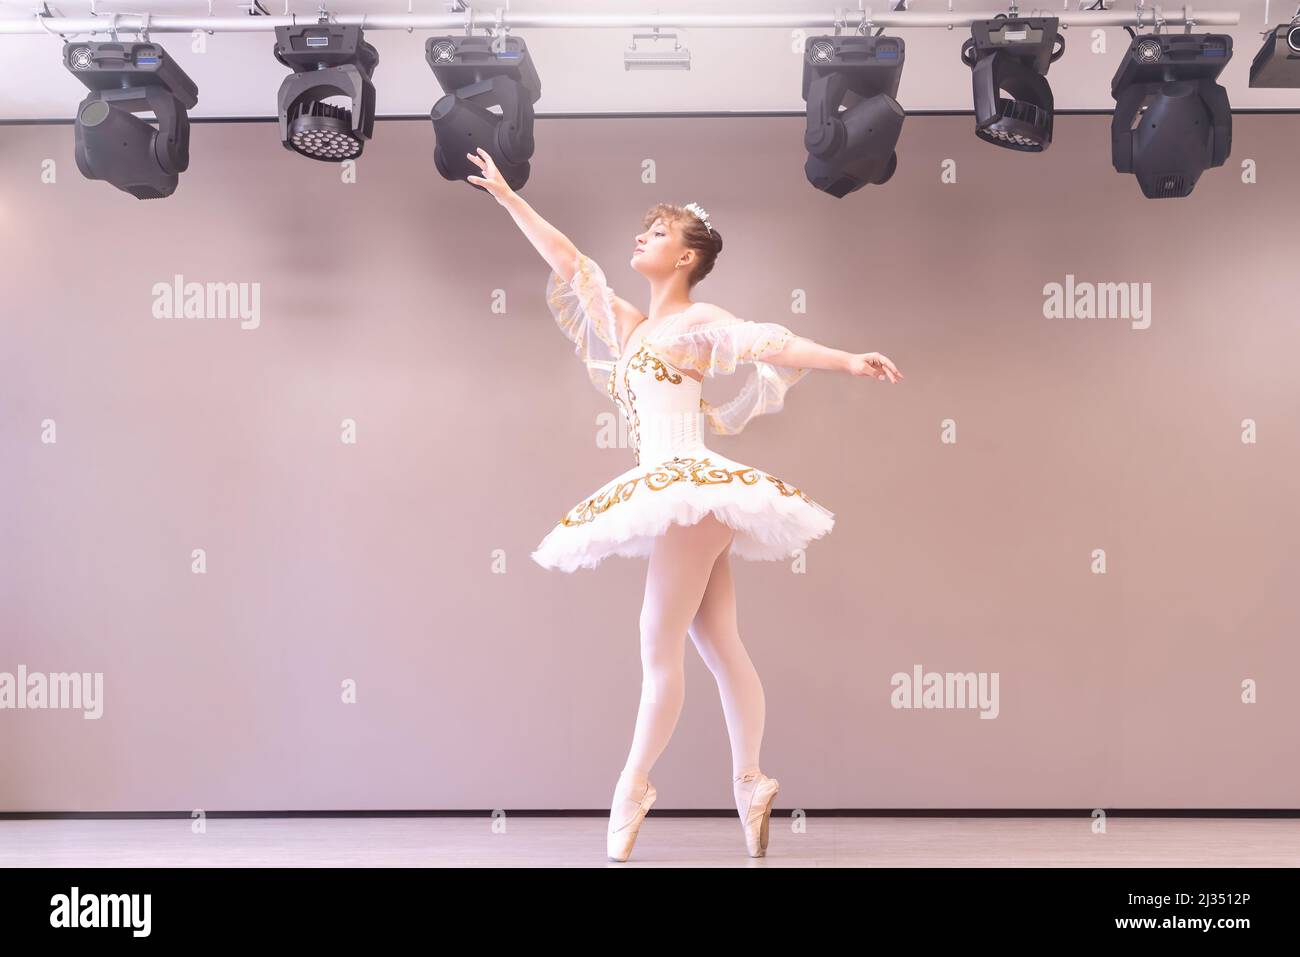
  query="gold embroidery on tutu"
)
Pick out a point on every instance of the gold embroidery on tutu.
point(639, 359)
point(618, 400)
point(634, 422)
point(642, 356)
point(668, 473)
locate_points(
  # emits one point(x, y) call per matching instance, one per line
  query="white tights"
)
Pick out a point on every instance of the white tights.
point(689, 588)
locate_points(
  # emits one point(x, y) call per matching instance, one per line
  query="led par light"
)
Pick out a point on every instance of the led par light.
point(1277, 64)
point(1172, 120)
point(656, 58)
point(114, 144)
point(1012, 55)
point(850, 148)
point(327, 60)
point(476, 73)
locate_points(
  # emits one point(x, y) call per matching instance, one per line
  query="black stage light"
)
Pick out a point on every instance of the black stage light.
point(850, 148)
point(1172, 121)
point(114, 144)
point(1277, 64)
point(328, 60)
point(477, 73)
point(1012, 55)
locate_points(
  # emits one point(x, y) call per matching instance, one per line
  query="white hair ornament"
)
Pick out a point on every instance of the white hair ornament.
point(700, 214)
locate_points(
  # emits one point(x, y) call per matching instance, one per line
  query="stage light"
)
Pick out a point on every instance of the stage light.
point(1172, 120)
point(327, 60)
point(678, 58)
point(1012, 55)
point(476, 73)
point(851, 147)
point(1277, 64)
point(114, 144)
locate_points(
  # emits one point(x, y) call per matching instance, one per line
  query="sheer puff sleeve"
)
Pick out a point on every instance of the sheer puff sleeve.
point(583, 308)
point(716, 347)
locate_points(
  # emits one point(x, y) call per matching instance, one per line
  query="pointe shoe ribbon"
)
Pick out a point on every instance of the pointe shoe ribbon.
point(620, 839)
point(756, 809)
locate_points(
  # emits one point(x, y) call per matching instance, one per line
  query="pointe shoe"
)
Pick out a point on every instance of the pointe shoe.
point(621, 836)
point(756, 811)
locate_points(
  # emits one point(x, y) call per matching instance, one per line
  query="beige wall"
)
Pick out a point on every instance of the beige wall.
point(479, 689)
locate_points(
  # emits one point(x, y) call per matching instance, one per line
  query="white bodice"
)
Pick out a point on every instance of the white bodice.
point(663, 406)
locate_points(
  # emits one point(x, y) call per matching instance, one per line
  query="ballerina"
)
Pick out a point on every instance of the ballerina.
point(684, 506)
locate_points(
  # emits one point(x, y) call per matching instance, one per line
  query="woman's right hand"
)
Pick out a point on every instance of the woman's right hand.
point(492, 180)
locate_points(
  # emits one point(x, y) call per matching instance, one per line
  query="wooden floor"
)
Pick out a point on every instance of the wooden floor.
point(668, 840)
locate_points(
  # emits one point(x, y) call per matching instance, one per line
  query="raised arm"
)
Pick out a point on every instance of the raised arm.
point(555, 247)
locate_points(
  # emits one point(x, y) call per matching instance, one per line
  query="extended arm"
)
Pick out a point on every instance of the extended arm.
point(801, 352)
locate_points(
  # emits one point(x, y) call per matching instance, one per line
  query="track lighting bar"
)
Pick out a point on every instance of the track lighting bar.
point(849, 20)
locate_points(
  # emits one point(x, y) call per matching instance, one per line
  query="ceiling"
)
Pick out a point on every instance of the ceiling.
point(581, 70)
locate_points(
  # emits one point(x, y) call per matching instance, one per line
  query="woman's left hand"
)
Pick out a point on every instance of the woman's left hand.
point(874, 364)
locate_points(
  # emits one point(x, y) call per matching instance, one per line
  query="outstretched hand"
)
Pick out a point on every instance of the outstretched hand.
point(492, 180)
point(874, 364)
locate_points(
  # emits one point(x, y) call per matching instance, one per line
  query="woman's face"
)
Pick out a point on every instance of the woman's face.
point(658, 249)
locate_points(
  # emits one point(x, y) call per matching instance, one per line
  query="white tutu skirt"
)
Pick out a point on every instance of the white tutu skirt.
point(771, 517)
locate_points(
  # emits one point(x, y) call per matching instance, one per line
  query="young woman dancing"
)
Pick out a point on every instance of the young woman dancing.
point(683, 506)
